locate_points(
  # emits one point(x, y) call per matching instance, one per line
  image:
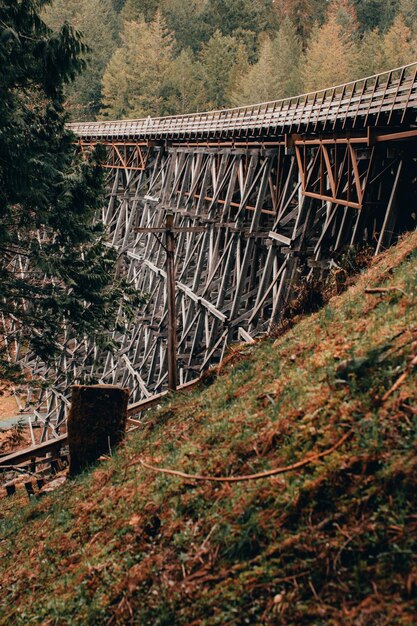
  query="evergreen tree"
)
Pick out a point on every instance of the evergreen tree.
point(344, 13)
point(116, 87)
point(371, 56)
point(100, 25)
point(277, 73)
point(304, 14)
point(375, 13)
point(331, 57)
point(380, 53)
point(186, 84)
point(137, 80)
point(98, 22)
point(218, 58)
point(408, 9)
point(195, 27)
point(288, 56)
point(48, 198)
point(259, 84)
point(228, 16)
point(241, 69)
point(136, 10)
point(399, 47)
point(184, 20)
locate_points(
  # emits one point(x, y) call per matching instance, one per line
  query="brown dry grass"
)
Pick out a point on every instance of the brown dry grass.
point(331, 544)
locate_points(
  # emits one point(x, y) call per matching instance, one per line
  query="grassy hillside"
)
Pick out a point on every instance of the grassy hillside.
point(331, 542)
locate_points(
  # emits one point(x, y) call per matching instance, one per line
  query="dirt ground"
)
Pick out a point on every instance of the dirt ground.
point(10, 438)
point(8, 407)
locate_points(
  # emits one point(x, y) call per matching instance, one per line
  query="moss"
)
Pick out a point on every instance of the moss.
point(332, 543)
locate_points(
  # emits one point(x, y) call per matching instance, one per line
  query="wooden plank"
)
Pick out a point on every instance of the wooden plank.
point(41, 450)
point(278, 237)
point(143, 405)
point(243, 334)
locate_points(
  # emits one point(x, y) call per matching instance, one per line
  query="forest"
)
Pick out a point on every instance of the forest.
point(163, 57)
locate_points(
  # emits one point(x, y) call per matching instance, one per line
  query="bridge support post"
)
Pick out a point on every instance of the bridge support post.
point(171, 312)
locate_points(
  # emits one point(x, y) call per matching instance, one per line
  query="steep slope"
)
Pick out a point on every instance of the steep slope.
point(331, 541)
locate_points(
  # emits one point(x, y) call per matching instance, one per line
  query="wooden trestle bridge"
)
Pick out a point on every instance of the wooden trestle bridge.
point(262, 196)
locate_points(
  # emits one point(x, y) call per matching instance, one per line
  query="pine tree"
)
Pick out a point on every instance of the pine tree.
point(98, 22)
point(374, 14)
point(277, 73)
point(187, 92)
point(344, 12)
point(137, 80)
point(184, 20)
point(48, 197)
point(371, 57)
point(304, 14)
point(136, 10)
point(288, 54)
point(116, 86)
point(408, 9)
point(258, 85)
point(331, 57)
point(218, 58)
point(228, 16)
point(240, 71)
point(399, 47)
point(380, 53)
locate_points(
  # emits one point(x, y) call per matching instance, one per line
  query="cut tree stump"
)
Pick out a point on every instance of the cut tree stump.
point(96, 423)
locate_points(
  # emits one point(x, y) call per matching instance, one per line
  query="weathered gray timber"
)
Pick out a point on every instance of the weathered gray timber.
point(371, 101)
point(262, 198)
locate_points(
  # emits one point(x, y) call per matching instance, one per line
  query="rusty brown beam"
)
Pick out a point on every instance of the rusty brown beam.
point(398, 136)
point(324, 198)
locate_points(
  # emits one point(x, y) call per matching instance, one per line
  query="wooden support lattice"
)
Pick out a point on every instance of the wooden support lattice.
point(251, 222)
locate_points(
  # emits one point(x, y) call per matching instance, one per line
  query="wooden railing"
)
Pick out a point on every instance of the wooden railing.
point(381, 99)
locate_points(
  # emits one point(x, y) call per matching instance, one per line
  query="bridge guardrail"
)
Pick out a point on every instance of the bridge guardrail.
point(353, 104)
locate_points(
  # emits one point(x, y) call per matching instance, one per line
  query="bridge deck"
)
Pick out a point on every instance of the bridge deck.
point(385, 99)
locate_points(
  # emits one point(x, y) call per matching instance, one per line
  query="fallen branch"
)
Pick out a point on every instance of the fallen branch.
point(382, 290)
point(400, 380)
point(236, 479)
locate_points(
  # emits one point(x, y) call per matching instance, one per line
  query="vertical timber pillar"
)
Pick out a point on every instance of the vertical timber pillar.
point(172, 313)
point(96, 423)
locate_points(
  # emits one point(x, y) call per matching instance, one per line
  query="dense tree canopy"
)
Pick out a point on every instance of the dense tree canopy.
point(303, 13)
point(98, 22)
point(261, 39)
point(137, 79)
point(277, 71)
point(376, 13)
point(55, 270)
point(330, 57)
point(136, 10)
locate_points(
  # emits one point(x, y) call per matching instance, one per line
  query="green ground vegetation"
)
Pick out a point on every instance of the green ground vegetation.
point(334, 542)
